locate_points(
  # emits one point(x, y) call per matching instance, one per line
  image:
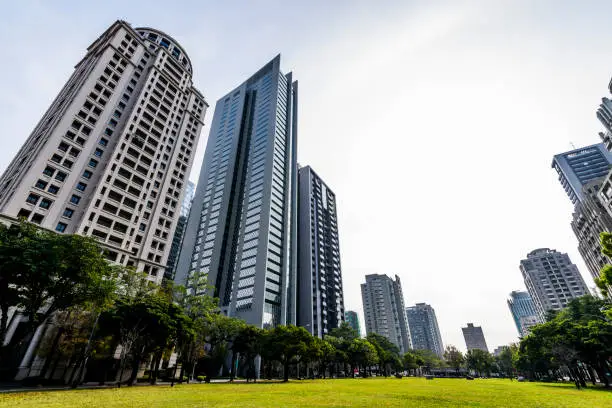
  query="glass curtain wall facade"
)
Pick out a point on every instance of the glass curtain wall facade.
point(241, 231)
point(523, 311)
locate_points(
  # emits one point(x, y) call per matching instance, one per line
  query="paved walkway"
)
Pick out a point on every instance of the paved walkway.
point(17, 387)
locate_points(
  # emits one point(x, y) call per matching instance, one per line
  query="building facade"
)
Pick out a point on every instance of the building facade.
point(320, 294)
point(111, 156)
point(552, 280)
point(352, 318)
point(179, 232)
point(474, 337)
point(384, 311)
point(589, 220)
point(424, 330)
point(242, 229)
point(577, 167)
point(523, 311)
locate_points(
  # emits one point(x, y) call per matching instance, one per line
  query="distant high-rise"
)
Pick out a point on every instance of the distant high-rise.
point(179, 232)
point(474, 337)
point(523, 311)
point(552, 280)
point(242, 228)
point(577, 167)
point(353, 320)
point(320, 295)
point(383, 307)
point(424, 330)
point(112, 155)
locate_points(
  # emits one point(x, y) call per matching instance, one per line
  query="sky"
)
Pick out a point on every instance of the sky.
point(434, 122)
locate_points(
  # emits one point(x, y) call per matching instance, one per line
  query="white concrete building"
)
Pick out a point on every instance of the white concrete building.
point(112, 155)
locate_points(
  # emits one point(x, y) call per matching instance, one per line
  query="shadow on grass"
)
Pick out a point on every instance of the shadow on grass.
point(573, 387)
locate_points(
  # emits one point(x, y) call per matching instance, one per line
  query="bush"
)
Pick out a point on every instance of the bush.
point(200, 378)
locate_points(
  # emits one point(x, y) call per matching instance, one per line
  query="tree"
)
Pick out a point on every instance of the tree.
point(362, 354)
point(219, 332)
point(388, 353)
point(247, 345)
point(409, 362)
point(428, 359)
point(42, 272)
point(454, 357)
point(287, 345)
point(479, 360)
point(505, 360)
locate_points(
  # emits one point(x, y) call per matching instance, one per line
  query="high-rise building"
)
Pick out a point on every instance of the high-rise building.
point(523, 311)
point(242, 228)
point(353, 320)
point(384, 311)
point(552, 280)
point(424, 330)
point(111, 156)
point(320, 295)
point(577, 167)
point(589, 220)
point(474, 337)
point(179, 232)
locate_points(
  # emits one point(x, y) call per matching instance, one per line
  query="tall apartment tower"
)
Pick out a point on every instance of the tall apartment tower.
point(577, 167)
point(242, 228)
point(179, 232)
point(424, 330)
point(552, 280)
point(353, 320)
point(320, 295)
point(523, 311)
point(111, 156)
point(383, 307)
point(474, 337)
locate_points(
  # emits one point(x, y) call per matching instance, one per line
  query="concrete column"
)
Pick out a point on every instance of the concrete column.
point(26, 362)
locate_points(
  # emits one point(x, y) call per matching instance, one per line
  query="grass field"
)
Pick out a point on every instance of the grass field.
point(378, 392)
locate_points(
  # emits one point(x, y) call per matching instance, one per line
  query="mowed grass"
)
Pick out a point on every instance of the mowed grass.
point(375, 392)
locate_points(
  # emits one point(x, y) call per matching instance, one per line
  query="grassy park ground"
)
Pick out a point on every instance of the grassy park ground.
point(376, 392)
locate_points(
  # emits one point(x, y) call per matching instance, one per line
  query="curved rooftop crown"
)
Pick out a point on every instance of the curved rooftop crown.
point(162, 39)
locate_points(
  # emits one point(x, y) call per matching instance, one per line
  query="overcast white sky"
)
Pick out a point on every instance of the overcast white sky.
point(434, 122)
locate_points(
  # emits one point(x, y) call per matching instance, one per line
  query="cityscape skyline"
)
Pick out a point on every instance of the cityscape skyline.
point(424, 288)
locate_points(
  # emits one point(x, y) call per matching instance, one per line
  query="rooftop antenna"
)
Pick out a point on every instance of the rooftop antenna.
point(572, 144)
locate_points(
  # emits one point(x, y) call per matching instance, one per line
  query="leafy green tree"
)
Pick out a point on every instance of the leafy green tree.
point(247, 345)
point(362, 354)
point(387, 352)
point(409, 362)
point(454, 357)
point(42, 272)
point(287, 345)
point(505, 360)
point(219, 332)
point(428, 359)
point(479, 360)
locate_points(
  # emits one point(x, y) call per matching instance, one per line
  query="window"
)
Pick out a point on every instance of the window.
point(75, 199)
point(108, 131)
point(61, 227)
point(48, 171)
point(45, 203)
point(53, 189)
point(81, 186)
point(61, 176)
point(32, 198)
point(41, 184)
point(103, 142)
point(56, 158)
point(93, 163)
point(87, 174)
point(37, 218)
point(68, 212)
point(98, 152)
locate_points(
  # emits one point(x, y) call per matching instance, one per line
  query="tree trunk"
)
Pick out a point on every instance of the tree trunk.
point(286, 371)
point(233, 366)
point(3, 323)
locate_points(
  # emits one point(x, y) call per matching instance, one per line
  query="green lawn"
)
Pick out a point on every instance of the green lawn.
point(379, 392)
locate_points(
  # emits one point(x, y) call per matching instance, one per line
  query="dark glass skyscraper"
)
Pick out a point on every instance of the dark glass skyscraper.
point(320, 295)
point(242, 226)
point(579, 166)
point(523, 311)
point(424, 330)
